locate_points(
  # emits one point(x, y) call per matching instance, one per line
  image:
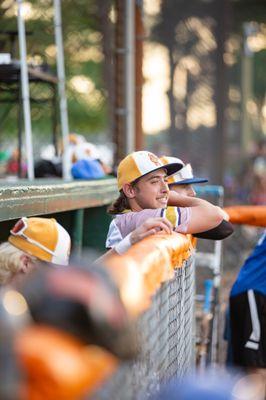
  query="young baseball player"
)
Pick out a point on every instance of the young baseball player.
point(144, 194)
point(182, 182)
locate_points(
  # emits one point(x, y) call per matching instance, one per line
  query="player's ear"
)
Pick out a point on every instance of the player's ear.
point(26, 262)
point(129, 190)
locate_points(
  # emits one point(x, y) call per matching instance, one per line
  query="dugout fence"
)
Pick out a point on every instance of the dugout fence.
point(166, 332)
point(164, 308)
point(155, 279)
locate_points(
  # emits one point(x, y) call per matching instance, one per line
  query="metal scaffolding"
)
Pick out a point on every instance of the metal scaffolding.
point(128, 78)
point(20, 74)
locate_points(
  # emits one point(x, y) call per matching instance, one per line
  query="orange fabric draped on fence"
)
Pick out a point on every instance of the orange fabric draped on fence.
point(146, 265)
point(249, 215)
point(58, 366)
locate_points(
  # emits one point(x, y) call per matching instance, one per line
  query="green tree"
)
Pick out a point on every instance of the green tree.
point(84, 62)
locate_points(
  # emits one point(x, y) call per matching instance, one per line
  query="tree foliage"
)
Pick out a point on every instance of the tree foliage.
point(84, 60)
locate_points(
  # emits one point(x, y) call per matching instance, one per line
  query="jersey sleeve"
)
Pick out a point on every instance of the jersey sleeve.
point(128, 222)
point(113, 236)
point(178, 216)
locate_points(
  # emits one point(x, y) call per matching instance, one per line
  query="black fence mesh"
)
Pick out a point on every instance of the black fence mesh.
point(166, 333)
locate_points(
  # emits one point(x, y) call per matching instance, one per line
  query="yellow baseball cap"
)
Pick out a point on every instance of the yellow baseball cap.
point(141, 163)
point(42, 238)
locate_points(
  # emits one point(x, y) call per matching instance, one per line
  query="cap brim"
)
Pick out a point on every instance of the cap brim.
point(172, 168)
point(189, 181)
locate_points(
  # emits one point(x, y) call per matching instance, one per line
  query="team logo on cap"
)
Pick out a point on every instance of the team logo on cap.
point(154, 160)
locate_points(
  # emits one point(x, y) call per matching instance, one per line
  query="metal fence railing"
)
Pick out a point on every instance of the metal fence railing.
point(167, 334)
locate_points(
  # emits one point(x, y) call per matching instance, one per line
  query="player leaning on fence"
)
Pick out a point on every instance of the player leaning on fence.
point(182, 182)
point(145, 196)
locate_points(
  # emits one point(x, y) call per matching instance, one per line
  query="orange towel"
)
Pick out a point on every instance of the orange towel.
point(249, 215)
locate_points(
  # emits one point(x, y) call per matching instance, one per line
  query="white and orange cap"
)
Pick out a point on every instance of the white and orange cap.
point(85, 151)
point(42, 238)
point(75, 139)
point(184, 176)
point(141, 163)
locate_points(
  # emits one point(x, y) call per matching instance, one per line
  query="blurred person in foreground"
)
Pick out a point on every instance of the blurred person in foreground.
point(213, 384)
point(71, 312)
point(83, 300)
point(144, 194)
point(32, 240)
point(182, 182)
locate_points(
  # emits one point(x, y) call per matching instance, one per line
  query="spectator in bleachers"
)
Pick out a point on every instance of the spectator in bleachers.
point(14, 165)
point(86, 162)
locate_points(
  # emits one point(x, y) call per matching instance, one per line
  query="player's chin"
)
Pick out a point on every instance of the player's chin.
point(161, 203)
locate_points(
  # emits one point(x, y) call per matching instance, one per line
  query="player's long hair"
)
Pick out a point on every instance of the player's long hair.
point(119, 205)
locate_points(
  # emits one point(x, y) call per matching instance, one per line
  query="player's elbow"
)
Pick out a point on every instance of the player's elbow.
point(204, 219)
point(225, 229)
point(222, 231)
point(214, 217)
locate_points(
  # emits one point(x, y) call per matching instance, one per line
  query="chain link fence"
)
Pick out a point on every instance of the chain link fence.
point(166, 332)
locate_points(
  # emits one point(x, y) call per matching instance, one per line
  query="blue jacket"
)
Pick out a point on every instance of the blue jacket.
point(87, 169)
point(253, 273)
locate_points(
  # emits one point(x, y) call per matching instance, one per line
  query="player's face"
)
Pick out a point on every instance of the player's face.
point(186, 190)
point(151, 191)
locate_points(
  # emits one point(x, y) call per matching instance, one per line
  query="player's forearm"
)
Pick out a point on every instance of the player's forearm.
point(204, 215)
point(105, 256)
point(179, 200)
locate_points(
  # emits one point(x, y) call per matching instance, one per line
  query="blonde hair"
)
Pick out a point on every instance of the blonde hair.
point(10, 262)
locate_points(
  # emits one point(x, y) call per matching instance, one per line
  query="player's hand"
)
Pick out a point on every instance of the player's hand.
point(150, 227)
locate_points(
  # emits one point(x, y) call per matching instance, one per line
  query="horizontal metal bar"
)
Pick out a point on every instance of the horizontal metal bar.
point(215, 190)
point(43, 76)
point(46, 196)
